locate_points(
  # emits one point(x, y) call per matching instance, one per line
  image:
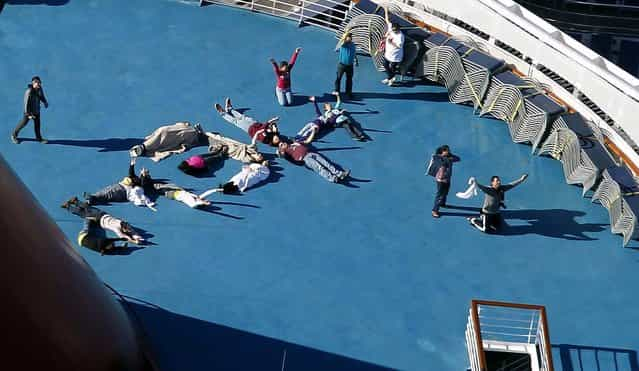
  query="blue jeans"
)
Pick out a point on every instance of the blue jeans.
point(305, 132)
point(236, 118)
point(284, 96)
point(322, 166)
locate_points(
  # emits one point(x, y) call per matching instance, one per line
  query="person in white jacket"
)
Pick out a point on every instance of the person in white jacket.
point(249, 176)
point(393, 51)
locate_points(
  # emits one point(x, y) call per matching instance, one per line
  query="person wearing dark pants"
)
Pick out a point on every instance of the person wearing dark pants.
point(441, 167)
point(33, 97)
point(96, 220)
point(440, 197)
point(347, 58)
point(393, 50)
point(490, 219)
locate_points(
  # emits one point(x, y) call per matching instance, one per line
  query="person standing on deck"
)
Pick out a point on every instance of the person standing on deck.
point(283, 75)
point(33, 97)
point(441, 167)
point(347, 58)
point(393, 50)
point(490, 219)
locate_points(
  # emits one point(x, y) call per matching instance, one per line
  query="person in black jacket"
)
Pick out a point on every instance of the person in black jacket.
point(33, 97)
point(441, 167)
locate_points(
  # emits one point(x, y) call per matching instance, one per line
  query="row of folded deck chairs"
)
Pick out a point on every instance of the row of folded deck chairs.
point(472, 76)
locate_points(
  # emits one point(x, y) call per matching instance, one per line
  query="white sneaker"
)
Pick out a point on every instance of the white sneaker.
point(385, 81)
point(391, 82)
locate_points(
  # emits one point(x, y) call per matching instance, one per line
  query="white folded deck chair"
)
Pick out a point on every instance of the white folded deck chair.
point(618, 192)
point(521, 102)
point(578, 144)
point(466, 72)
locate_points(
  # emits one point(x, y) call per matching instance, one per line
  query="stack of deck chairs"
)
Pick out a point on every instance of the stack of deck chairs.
point(474, 77)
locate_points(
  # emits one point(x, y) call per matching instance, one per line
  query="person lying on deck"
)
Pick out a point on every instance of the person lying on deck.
point(265, 132)
point(96, 220)
point(200, 164)
point(300, 154)
point(246, 153)
point(334, 117)
point(130, 188)
point(170, 139)
point(490, 218)
point(249, 176)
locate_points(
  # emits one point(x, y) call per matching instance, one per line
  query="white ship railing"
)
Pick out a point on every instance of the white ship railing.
point(613, 90)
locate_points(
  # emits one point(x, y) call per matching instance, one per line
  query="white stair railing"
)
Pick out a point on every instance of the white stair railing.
point(508, 327)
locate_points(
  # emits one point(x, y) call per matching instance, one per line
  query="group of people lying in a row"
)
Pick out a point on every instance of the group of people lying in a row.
point(143, 190)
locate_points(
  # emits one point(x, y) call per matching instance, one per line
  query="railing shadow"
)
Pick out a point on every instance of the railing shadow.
point(585, 358)
point(184, 343)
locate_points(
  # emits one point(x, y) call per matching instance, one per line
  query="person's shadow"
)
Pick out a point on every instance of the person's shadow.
point(35, 2)
point(32, 2)
point(104, 145)
point(555, 223)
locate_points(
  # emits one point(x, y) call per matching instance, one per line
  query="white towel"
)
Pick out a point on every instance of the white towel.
point(470, 192)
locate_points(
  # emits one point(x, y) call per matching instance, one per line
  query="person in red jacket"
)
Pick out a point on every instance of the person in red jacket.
point(283, 75)
point(300, 154)
point(265, 132)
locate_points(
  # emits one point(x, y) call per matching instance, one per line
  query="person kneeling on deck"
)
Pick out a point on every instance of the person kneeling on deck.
point(299, 153)
point(95, 219)
point(490, 219)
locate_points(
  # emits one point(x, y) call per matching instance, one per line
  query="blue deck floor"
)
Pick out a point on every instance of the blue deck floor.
point(329, 273)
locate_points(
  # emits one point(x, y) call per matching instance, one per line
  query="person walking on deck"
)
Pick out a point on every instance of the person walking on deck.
point(283, 75)
point(33, 97)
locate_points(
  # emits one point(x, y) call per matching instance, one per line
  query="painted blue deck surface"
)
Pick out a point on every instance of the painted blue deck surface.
point(363, 272)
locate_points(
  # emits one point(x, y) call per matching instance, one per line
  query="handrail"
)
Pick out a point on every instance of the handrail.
point(533, 24)
point(546, 333)
point(537, 333)
point(478, 340)
point(507, 304)
point(595, 4)
point(298, 10)
point(612, 89)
